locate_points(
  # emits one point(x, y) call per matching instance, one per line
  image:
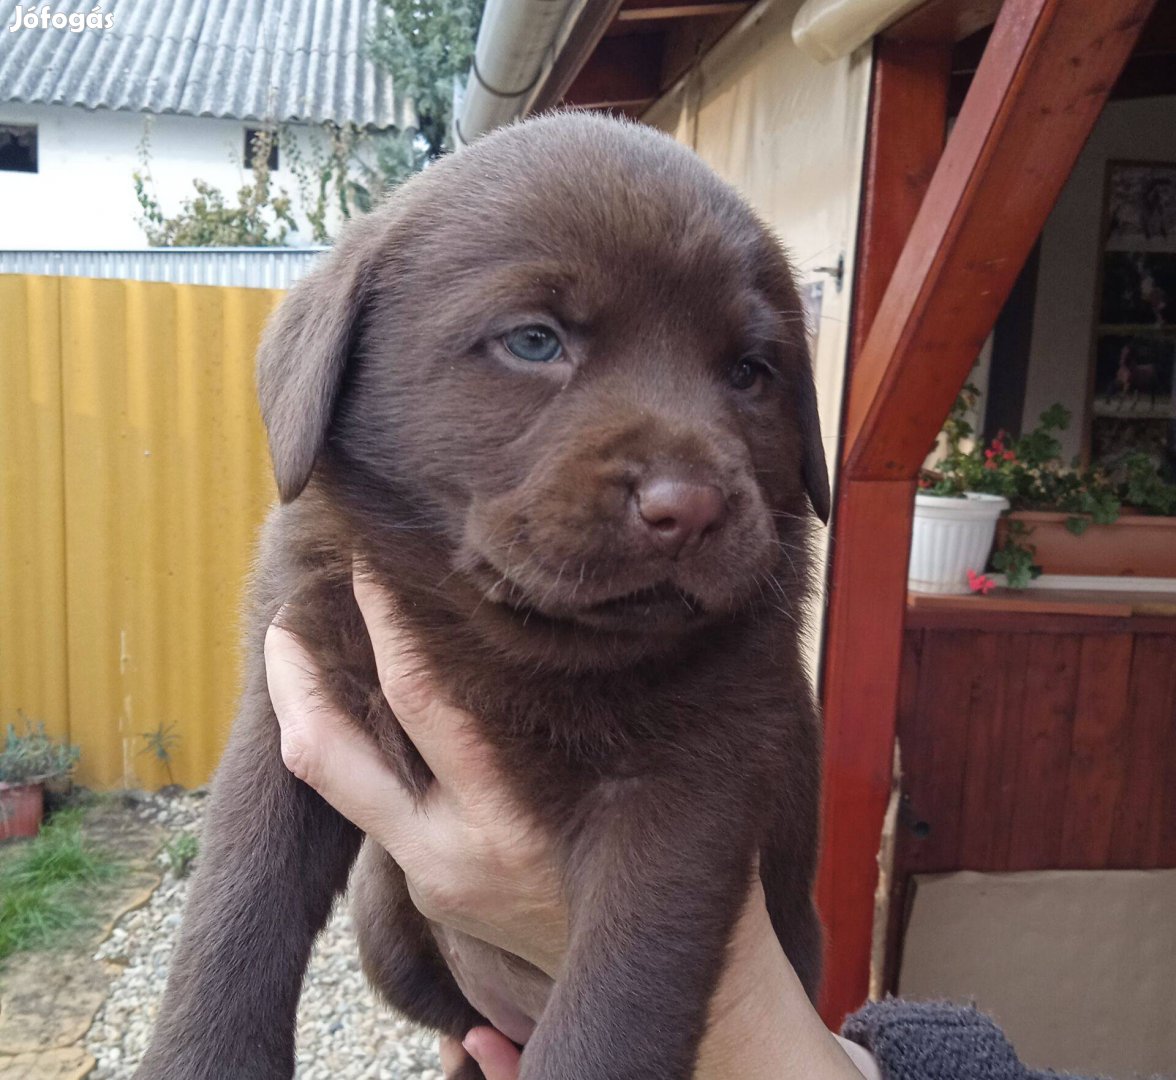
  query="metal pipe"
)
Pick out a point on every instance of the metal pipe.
point(518, 41)
point(829, 29)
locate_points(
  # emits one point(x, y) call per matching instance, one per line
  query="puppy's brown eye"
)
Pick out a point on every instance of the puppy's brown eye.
point(747, 373)
point(536, 343)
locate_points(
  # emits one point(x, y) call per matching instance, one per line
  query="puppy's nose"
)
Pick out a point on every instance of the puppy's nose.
point(679, 513)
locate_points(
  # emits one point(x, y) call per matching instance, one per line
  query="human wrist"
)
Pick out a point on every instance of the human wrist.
point(761, 1025)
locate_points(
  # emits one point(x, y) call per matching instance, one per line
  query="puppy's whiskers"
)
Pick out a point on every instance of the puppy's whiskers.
point(787, 550)
point(554, 585)
point(580, 580)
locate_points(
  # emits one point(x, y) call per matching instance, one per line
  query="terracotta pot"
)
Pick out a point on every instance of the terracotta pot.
point(1137, 545)
point(21, 809)
point(60, 786)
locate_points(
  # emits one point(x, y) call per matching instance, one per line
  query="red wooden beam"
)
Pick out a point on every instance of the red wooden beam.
point(591, 26)
point(648, 10)
point(620, 70)
point(1040, 86)
point(938, 21)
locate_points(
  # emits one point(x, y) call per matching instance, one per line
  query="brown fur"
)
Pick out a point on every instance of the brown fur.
point(664, 739)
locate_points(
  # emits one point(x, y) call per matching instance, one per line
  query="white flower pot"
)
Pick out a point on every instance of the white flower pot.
point(951, 536)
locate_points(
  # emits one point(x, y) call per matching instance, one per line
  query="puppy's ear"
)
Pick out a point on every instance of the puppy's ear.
point(813, 466)
point(776, 279)
point(303, 355)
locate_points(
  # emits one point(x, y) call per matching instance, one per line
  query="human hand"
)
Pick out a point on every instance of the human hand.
point(761, 1025)
point(473, 859)
point(497, 1056)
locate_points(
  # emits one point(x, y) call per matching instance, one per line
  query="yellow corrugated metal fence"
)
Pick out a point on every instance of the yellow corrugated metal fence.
point(133, 477)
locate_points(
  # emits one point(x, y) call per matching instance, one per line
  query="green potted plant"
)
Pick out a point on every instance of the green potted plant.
point(1064, 519)
point(27, 761)
point(1121, 525)
point(954, 519)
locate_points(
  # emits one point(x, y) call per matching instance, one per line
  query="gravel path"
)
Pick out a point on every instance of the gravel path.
point(343, 1033)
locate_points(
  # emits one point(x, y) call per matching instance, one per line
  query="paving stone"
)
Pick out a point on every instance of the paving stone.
point(64, 1063)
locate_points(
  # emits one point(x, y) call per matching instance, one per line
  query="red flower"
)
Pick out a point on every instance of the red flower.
point(980, 583)
point(1008, 455)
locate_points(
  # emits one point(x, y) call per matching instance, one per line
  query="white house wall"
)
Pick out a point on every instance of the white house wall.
point(1067, 278)
point(83, 194)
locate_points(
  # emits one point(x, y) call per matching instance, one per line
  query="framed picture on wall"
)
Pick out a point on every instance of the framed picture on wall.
point(1131, 401)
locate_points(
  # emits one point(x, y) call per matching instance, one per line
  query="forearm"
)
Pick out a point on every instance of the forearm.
point(761, 1025)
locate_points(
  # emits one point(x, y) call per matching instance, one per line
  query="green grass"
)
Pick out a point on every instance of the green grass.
point(47, 885)
point(181, 853)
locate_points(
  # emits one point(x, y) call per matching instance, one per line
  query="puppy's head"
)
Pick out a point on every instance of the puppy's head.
point(573, 360)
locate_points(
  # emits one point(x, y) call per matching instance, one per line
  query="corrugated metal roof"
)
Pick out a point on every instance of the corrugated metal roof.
point(275, 60)
point(257, 268)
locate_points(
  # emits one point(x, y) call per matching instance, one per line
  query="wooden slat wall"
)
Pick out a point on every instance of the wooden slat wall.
point(1037, 750)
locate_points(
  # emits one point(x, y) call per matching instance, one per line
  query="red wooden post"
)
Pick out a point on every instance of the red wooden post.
point(1040, 86)
point(863, 649)
point(908, 123)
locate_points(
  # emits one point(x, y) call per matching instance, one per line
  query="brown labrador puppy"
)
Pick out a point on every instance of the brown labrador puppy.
point(556, 396)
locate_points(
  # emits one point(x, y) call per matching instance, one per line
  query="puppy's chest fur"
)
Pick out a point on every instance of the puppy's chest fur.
point(717, 708)
point(721, 709)
point(724, 716)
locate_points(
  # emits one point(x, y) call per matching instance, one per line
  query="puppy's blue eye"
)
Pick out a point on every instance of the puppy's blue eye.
point(536, 343)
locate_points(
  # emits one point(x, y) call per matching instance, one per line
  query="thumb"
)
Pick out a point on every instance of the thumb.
point(494, 1052)
point(326, 750)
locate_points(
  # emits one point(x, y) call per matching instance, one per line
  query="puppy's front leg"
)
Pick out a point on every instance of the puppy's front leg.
point(273, 857)
point(657, 879)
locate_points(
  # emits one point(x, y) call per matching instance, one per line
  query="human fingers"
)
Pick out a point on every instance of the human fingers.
point(494, 1052)
point(442, 733)
point(453, 1055)
point(325, 750)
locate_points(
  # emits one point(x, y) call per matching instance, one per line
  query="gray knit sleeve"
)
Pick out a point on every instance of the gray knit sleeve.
point(935, 1040)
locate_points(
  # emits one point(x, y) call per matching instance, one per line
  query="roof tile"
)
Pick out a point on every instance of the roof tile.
point(267, 60)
